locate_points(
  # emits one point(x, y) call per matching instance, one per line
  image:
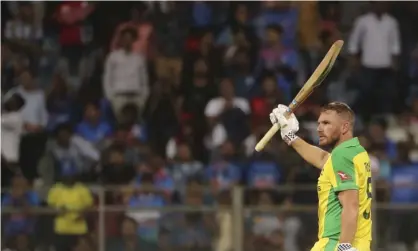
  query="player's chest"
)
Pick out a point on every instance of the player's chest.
point(324, 183)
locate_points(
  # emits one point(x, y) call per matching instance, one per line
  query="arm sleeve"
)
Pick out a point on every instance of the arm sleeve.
point(355, 36)
point(395, 40)
point(344, 175)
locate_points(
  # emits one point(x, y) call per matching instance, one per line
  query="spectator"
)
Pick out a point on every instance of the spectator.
point(59, 102)
point(162, 115)
point(35, 118)
point(21, 198)
point(146, 196)
point(239, 68)
point(263, 104)
point(202, 14)
point(278, 14)
point(185, 167)
point(116, 171)
point(218, 107)
point(173, 27)
point(11, 131)
point(71, 199)
point(137, 128)
point(377, 131)
point(25, 32)
point(222, 174)
point(75, 32)
point(142, 43)
point(67, 152)
point(263, 173)
point(376, 35)
point(92, 129)
point(125, 75)
point(276, 57)
point(129, 238)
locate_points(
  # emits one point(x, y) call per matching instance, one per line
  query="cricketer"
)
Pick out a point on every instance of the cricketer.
point(344, 185)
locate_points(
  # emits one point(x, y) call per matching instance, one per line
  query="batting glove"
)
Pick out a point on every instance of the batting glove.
point(346, 247)
point(288, 126)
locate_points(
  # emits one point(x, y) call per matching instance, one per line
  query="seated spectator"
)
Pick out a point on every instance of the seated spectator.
point(263, 172)
point(125, 76)
point(278, 13)
point(264, 224)
point(71, 199)
point(239, 68)
point(131, 118)
point(276, 57)
point(59, 103)
point(11, 132)
point(193, 230)
point(92, 128)
point(129, 238)
point(21, 198)
point(217, 107)
point(222, 174)
point(147, 195)
point(162, 178)
point(185, 167)
point(263, 104)
point(66, 150)
point(377, 134)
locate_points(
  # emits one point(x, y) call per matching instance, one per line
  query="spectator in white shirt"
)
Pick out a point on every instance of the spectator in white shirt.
point(226, 104)
point(376, 36)
point(35, 118)
point(11, 131)
point(126, 77)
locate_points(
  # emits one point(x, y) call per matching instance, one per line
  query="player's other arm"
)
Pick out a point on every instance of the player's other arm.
point(344, 183)
point(289, 127)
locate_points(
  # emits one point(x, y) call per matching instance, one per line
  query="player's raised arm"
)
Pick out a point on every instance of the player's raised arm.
point(289, 127)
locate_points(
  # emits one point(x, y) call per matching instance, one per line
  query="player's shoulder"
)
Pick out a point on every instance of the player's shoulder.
point(348, 150)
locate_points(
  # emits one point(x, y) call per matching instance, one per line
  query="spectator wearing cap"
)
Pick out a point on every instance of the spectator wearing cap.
point(71, 199)
point(125, 75)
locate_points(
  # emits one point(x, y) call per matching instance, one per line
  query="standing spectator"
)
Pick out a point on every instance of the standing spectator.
point(144, 30)
point(24, 31)
point(125, 76)
point(20, 198)
point(35, 118)
point(74, 31)
point(92, 128)
point(376, 36)
point(11, 132)
point(71, 199)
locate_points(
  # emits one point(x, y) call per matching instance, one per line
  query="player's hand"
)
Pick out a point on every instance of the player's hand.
point(288, 126)
point(346, 247)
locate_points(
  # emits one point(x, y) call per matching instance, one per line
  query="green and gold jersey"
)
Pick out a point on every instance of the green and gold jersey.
point(347, 168)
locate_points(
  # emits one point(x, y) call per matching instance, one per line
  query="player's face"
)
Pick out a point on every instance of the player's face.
point(329, 128)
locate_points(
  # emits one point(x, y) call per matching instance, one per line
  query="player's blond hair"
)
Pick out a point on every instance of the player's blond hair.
point(341, 109)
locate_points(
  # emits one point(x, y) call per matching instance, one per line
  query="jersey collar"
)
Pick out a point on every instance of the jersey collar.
point(349, 143)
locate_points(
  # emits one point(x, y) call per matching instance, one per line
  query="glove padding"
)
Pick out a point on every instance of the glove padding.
point(346, 247)
point(288, 126)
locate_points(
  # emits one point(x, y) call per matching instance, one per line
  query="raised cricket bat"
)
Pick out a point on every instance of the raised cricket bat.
point(314, 81)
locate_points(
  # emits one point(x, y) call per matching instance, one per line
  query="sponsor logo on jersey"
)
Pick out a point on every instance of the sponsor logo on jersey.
point(343, 176)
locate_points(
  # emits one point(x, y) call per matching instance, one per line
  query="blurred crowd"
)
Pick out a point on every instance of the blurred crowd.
point(162, 103)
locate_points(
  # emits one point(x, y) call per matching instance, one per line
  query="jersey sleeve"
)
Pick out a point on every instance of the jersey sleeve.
point(343, 172)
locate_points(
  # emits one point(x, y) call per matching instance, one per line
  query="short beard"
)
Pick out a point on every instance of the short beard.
point(331, 145)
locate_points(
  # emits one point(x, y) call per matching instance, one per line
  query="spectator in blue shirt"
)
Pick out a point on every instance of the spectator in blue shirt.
point(263, 173)
point(92, 128)
point(20, 197)
point(222, 174)
point(147, 195)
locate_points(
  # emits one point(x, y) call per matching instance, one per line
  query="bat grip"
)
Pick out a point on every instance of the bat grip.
point(274, 129)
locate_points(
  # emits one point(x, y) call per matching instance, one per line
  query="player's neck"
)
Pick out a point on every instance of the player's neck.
point(344, 138)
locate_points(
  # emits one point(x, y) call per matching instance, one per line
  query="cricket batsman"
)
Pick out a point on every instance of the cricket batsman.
point(344, 186)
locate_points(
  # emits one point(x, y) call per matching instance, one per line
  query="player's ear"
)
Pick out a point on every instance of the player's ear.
point(346, 127)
